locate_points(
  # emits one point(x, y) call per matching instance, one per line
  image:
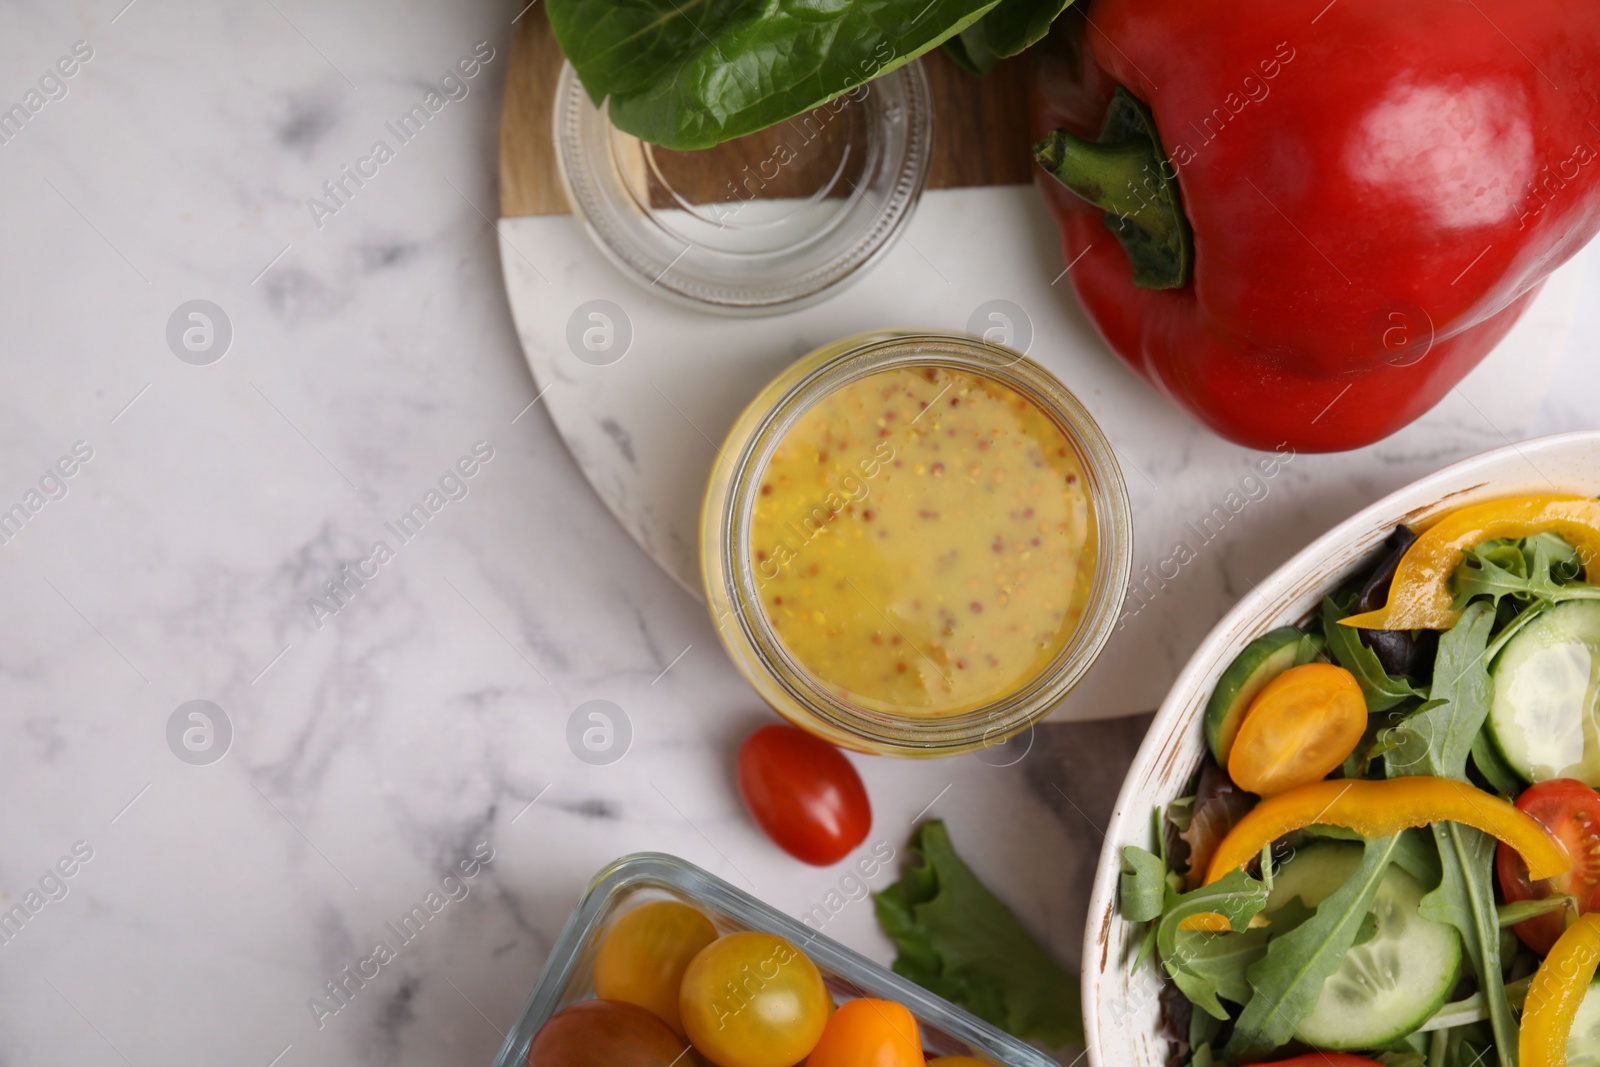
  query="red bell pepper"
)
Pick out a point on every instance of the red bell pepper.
point(1332, 210)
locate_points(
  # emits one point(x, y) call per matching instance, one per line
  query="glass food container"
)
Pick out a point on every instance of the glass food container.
point(762, 224)
point(734, 588)
point(568, 973)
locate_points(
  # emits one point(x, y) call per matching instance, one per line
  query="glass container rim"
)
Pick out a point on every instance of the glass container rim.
point(581, 185)
point(732, 575)
point(679, 876)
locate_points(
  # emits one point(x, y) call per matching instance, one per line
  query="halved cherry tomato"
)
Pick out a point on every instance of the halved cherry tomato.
point(1570, 810)
point(1300, 727)
point(606, 1033)
point(643, 957)
point(869, 1033)
point(804, 794)
point(753, 1000)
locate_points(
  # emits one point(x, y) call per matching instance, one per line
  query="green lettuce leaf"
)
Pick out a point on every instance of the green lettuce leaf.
point(957, 939)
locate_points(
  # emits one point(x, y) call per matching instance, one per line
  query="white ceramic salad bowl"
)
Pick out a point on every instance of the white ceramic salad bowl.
point(1122, 1014)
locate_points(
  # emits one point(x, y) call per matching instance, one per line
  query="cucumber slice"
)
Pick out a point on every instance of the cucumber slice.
point(1546, 685)
point(1387, 986)
point(1583, 1044)
point(1261, 661)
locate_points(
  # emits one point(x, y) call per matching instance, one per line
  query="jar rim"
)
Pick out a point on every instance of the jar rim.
point(729, 573)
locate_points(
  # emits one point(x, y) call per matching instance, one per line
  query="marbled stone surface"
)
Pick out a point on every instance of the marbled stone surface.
point(374, 747)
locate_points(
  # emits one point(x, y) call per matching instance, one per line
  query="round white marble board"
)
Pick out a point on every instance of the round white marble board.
point(645, 428)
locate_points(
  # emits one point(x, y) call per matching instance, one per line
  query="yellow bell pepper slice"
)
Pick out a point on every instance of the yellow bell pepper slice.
point(1558, 987)
point(1419, 596)
point(1379, 809)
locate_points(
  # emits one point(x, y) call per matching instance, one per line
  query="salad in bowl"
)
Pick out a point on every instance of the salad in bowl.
point(1365, 828)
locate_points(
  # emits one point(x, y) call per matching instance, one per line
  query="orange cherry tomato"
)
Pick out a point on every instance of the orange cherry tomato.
point(753, 1000)
point(606, 1033)
point(869, 1033)
point(1299, 727)
point(643, 957)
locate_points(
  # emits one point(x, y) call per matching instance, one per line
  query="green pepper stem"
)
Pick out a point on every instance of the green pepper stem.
point(1126, 174)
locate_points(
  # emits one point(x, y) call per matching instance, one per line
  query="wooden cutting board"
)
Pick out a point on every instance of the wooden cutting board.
point(980, 126)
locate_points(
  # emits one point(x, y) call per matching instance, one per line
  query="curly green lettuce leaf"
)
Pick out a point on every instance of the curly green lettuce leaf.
point(690, 74)
point(959, 940)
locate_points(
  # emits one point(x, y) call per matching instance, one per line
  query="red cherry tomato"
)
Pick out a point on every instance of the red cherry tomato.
point(804, 794)
point(1570, 810)
point(606, 1033)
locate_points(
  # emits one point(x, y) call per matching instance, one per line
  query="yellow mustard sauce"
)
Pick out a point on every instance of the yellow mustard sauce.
point(923, 541)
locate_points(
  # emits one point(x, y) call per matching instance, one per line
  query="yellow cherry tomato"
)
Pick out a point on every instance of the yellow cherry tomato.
point(869, 1033)
point(643, 957)
point(753, 1000)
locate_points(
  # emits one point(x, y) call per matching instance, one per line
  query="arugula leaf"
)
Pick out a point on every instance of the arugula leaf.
point(959, 940)
point(1418, 856)
point(1438, 737)
point(690, 74)
point(1402, 1059)
point(1437, 741)
point(1542, 567)
point(1191, 958)
point(1381, 689)
point(1288, 979)
point(1495, 770)
point(1465, 900)
point(1010, 29)
point(1523, 910)
point(1142, 889)
point(1214, 965)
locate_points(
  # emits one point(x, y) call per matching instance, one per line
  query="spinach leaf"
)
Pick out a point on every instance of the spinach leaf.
point(1288, 979)
point(959, 940)
point(1381, 689)
point(1465, 900)
point(1010, 29)
point(1437, 739)
point(1142, 889)
point(690, 74)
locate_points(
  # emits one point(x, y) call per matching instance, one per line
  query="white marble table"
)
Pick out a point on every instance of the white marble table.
point(372, 753)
